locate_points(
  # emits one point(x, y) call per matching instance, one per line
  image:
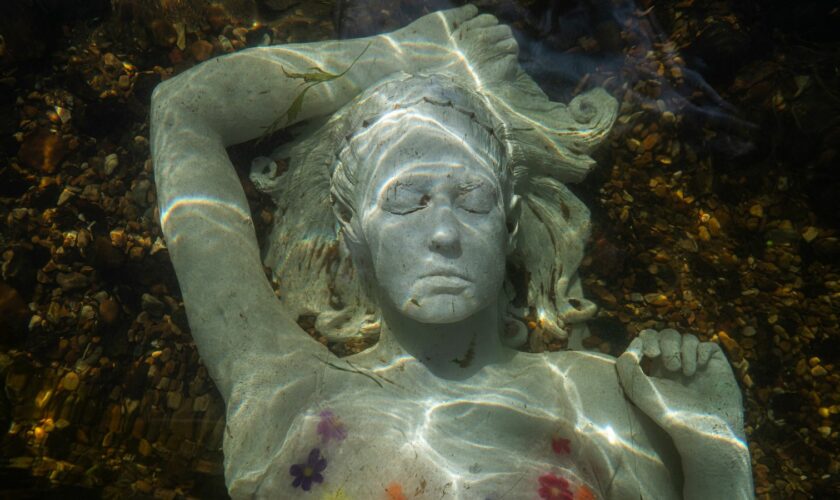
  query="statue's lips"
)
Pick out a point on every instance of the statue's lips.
point(444, 283)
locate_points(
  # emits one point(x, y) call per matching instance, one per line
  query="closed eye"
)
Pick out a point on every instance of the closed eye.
point(402, 206)
point(475, 210)
point(479, 199)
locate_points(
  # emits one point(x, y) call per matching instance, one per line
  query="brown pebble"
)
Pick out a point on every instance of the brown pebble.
point(819, 371)
point(656, 299)
point(64, 197)
point(676, 72)
point(217, 17)
point(163, 33)
point(176, 56)
point(71, 281)
point(209, 467)
point(144, 448)
point(135, 253)
point(173, 399)
point(29, 111)
point(714, 226)
point(650, 142)
point(201, 403)
point(732, 347)
point(105, 253)
point(14, 313)
point(201, 50)
point(110, 59)
point(109, 310)
point(118, 237)
point(70, 382)
point(142, 486)
point(116, 418)
point(810, 234)
point(42, 150)
point(138, 427)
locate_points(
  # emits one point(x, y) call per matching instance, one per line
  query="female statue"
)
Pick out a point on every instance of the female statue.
point(436, 165)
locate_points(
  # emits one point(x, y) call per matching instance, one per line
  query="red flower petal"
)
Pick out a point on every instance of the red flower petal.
point(561, 446)
point(553, 487)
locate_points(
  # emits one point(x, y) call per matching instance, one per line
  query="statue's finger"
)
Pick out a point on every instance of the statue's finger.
point(636, 349)
point(628, 363)
point(704, 352)
point(669, 343)
point(482, 21)
point(689, 354)
point(507, 48)
point(650, 338)
point(638, 387)
point(461, 14)
point(497, 33)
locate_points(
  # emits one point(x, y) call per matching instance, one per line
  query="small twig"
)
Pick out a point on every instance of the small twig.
point(352, 369)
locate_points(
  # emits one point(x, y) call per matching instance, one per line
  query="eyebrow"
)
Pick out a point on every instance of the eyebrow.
point(466, 187)
point(415, 184)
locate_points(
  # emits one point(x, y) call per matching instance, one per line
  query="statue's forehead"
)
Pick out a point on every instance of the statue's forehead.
point(424, 174)
point(414, 137)
point(425, 127)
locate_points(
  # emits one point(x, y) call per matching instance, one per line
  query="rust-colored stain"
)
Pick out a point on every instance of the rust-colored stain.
point(394, 491)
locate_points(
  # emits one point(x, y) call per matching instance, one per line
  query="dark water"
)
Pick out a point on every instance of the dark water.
point(714, 212)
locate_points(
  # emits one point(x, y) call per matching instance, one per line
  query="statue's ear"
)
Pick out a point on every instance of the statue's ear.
point(514, 210)
point(346, 220)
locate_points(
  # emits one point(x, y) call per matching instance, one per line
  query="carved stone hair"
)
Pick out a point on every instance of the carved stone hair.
point(540, 145)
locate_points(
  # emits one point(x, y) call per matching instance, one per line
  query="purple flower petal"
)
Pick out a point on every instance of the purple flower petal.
point(296, 470)
point(307, 483)
point(297, 481)
point(317, 477)
point(330, 427)
point(320, 465)
point(339, 433)
point(313, 457)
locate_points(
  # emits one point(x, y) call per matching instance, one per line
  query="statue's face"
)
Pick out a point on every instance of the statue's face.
point(434, 221)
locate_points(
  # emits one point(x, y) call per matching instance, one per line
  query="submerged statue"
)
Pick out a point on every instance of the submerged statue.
point(423, 201)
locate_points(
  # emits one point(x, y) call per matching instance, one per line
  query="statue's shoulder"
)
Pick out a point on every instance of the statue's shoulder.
point(587, 366)
point(592, 390)
point(593, 379)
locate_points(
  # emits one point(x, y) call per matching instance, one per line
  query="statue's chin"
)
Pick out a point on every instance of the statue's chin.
point(440, 308)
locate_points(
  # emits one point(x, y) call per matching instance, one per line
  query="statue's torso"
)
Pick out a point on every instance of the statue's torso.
point(562, 418)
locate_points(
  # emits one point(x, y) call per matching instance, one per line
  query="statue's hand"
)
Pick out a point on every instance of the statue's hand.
point(488, 49)
point(436, 27)
point(460, 41)
point(690, 392)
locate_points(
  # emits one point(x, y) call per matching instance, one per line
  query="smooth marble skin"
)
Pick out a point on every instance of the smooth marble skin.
point(434, 165)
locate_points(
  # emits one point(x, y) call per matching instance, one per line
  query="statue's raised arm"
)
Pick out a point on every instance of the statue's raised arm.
point(232, 310)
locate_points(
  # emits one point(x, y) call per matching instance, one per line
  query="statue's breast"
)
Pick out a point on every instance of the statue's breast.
point(440, 439)
point(507, 432)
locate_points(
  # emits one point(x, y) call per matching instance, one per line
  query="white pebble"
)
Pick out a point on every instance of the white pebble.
point(112, 161)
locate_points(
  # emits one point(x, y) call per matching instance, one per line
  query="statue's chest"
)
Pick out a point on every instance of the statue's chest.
point(461, 442)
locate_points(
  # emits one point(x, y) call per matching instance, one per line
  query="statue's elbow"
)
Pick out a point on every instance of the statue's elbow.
point(162, 98)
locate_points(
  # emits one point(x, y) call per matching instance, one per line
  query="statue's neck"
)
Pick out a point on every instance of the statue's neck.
point(451, 350)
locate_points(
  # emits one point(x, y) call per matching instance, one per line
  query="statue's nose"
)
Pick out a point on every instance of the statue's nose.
point(445, 237)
